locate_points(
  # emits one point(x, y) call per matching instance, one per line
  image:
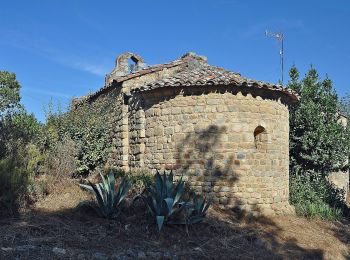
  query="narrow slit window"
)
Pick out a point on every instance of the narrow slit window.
point(260, 137)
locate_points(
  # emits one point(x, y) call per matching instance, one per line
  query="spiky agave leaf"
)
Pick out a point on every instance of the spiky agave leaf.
point(104, 182)
point(99, 197)
point(205, 206)
point(179, 188)
point(101, 192)
point(169, 184)
point(106, 195)
point(110, 190)
point(163, 197)
point(169, 205)
point(88, 188)
point(160, 222)
point(159, 183)
point(123, 189)
point(152, 207)
point(196, 212)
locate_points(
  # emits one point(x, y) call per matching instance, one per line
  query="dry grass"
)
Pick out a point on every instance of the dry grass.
point(55, 222)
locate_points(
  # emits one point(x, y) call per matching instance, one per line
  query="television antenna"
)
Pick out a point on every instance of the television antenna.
point(279, 36)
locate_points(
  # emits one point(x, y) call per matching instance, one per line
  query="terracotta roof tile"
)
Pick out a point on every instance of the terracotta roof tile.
point(194, 71)
point(205, 74)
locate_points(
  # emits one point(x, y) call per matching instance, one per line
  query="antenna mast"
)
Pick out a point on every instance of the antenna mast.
point(280, 38)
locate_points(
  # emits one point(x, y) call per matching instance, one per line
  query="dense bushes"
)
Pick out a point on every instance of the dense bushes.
point(68, 144)
point(316, 198)
point(13, 187)
point(90, 135)
point(319, 145)
point(17, 130)
point(61, 161)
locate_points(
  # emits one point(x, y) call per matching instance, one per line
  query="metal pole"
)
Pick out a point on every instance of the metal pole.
point(278, 37)
point(282, 56)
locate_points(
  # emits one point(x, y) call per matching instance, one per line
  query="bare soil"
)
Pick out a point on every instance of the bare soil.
point(55, 228)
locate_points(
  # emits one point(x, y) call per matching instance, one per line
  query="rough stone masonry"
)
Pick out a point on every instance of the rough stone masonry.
point(227, 135)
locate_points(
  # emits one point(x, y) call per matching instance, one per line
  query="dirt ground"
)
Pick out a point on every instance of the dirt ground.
point(55, 228)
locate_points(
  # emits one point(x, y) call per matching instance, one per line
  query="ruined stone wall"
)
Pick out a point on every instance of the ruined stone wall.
point(137, 132)
point(118, 155)
point(232, 146)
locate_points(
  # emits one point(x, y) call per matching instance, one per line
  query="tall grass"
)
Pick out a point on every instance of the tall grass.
point(316, 198)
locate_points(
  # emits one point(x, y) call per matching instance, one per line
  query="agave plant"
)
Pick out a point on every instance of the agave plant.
point(108, 198)
point(197, 210)
point(163, 198)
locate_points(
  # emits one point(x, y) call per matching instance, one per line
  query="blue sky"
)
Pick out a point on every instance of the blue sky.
point(63, 49)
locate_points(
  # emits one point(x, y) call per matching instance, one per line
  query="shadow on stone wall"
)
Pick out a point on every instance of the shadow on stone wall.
point(210, 169)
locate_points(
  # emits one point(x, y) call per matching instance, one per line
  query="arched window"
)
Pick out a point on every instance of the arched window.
point(260, 137)
point(132, 64)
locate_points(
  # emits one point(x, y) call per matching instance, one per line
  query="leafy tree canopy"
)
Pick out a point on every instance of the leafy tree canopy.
point(319, 143)
point(17, 127)
point(9, 92)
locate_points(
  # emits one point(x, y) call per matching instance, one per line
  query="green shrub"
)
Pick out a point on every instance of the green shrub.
point(14, 183)
point(90, 133)
point(19, 154)
point(140, 178)
point(107, 196)
point(319, 143)
point(316, 197)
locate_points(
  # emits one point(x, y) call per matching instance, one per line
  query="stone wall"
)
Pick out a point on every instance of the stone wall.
point(231, 145)
point(119, 128)
point(340, 180)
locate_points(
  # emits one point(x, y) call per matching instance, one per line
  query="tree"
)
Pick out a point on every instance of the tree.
point(17, 127)
point(319, 144)
point(17, 130)
point(9, 93)
point(9, 101)
point(345, 106)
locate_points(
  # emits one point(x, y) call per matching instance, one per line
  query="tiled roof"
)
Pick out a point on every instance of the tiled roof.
point(194, 71)
point(204, 75)
point(139, 73)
